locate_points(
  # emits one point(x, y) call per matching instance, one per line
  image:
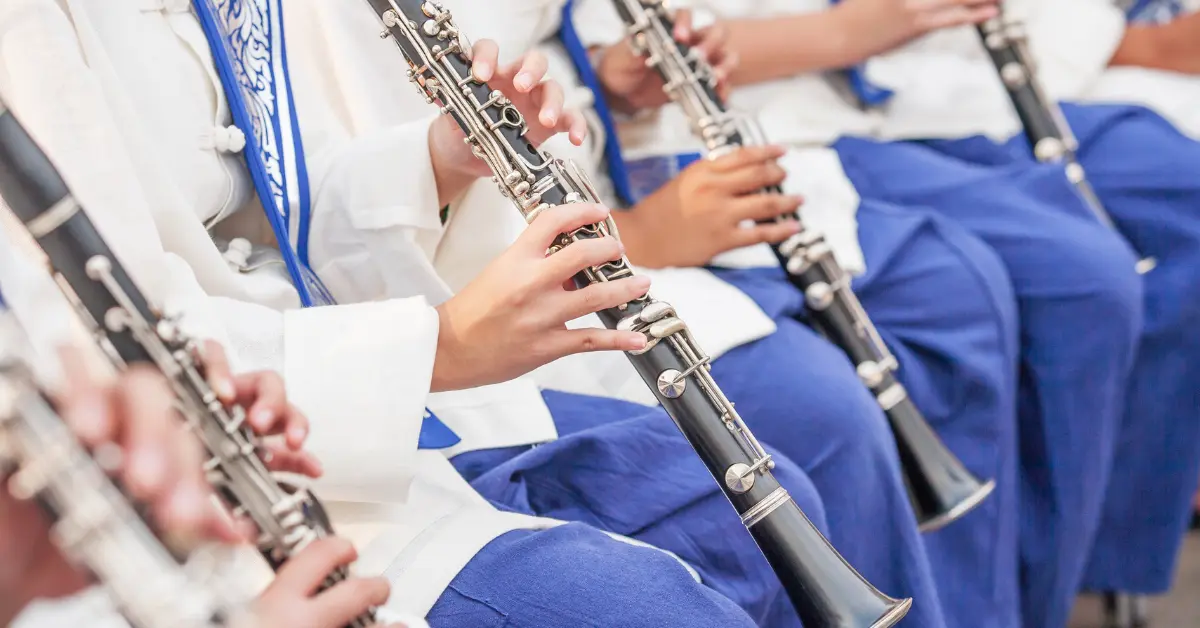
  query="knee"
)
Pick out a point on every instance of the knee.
point(1097, 269)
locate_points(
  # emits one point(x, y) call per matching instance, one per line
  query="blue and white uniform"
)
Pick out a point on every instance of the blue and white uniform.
point(797, 391)
point(1083, 311)
point(127, 101)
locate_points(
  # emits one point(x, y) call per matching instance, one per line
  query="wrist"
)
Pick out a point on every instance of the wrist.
point(601, 59)
point(455, 167)
point(633, 230)
point(846, 44)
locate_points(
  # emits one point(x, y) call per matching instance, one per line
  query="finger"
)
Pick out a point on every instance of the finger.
point(217, 371)
point(723, 72)
point(712, 42)
point(577, 127)
point(83, 403)
point(683, 26)
point(747, 156)
point(188, 508)
point(770, 233)
point(532, 70)
point(220, 526)
point(572, 341)
point(485, 55)
point(577, 256)
point(264, 396)
point(758, 207)
point(146, 417)
point(549, 96)
point(344, 602)
point(284, 460)
point(308, 569)
point(558, 220)
point(600, 296)
point(753, 177)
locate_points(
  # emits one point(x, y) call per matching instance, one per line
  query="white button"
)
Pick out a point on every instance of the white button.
point(238, 253)
point(224, 139)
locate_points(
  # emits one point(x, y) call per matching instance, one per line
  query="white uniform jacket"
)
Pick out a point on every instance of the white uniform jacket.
point(123, 97)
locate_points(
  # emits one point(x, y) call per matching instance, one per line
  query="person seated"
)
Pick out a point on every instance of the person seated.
point(139, 85)
point(940, 92)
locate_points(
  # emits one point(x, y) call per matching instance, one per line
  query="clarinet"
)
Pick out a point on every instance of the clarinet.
point(95, 525)
point(824, 588)
point(1042, 119)
point(941, 489)
point(131, 331)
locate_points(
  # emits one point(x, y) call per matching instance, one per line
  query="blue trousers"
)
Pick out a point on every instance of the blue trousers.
point(1147, 175)
point(573, 576)
point(942, 301)
point(625, 468)
point(1080, 310)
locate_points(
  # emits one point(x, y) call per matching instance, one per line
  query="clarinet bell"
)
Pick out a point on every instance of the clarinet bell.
point(941, 489)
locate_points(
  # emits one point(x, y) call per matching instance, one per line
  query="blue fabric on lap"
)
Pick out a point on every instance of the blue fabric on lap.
point(958, 362)
point(572, 576)
point(1080, 308)
point(625, 468)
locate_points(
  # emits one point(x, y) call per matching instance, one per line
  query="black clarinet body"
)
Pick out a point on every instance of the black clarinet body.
point(131, 332)
point(1042, 121)
point(825, 589)
point(940, 487)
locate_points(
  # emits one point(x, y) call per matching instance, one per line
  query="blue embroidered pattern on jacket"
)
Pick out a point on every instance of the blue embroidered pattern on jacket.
point(1154, 11)
point(247, 24)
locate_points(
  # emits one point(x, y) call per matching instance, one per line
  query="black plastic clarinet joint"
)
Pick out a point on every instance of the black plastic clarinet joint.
point(941, 488)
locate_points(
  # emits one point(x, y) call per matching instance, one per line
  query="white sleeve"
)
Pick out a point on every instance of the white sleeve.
point(1073, 42)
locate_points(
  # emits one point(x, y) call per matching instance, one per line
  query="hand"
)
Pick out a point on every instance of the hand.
point(631, 86)
point(264, 397)
point(700, 213)
point(877, 26)
point(539, 101)
point(292, 599)
point(160, 468)
point(512, 318)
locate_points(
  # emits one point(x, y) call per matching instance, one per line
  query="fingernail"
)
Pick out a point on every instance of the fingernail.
point(262, 418)
point(641, 282)
point(523, 81)
point(91, 419)
point(224, 389)
point(187, 505)
point(296, 436)
point(481, 71)
point(549, 118)
point(637, 344)
point(147, 468)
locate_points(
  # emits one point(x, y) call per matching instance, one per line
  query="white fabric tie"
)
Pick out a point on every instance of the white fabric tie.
point(167, 6)
point(225, 139)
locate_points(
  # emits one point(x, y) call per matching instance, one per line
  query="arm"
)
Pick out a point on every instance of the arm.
point(1174, 47)
point(847, 34)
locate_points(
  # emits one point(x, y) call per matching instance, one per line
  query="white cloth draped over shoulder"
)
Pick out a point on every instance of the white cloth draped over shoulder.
point(123, 97)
